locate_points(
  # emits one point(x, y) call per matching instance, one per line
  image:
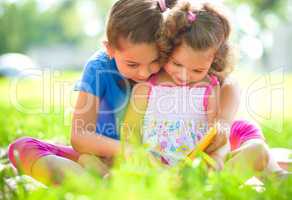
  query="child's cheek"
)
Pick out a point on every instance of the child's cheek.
point(125, 71)
point(168, 68)
point(156, 69)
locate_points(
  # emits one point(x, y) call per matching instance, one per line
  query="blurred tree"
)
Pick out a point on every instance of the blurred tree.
point(261, 9)
point(23, 25)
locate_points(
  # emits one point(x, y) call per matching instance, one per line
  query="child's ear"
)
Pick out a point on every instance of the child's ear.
point(109, 49)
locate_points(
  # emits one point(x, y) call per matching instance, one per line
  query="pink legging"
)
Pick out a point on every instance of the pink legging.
point(29, 150)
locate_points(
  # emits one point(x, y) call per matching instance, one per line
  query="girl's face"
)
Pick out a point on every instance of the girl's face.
point(135, 61)
point(186, 65)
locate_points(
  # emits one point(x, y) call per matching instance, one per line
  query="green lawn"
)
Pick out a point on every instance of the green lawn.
point(47, 116)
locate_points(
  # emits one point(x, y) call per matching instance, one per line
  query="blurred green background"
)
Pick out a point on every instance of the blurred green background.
point(48, 42)
point(60, 27)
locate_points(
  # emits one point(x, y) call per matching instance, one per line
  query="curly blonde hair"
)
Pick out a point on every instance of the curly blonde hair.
point(210, 28)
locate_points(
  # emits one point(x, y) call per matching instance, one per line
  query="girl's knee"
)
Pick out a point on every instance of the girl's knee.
point(93, 162)
point(260, 151)
point(16, 147)
point(18, 152)
point(85, 159)
point(19, 144)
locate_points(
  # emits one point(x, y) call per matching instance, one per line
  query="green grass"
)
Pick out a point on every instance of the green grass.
point(135, 179)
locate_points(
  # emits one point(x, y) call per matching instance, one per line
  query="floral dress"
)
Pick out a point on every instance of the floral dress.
point(175, 119)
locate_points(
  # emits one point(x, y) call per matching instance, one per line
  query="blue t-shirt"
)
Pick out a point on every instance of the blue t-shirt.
point(102, 79)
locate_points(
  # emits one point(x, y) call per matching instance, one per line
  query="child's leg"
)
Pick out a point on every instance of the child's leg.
point(43, 161)
point(93, 162)
point(52, 169)
point(254, 156)
point(283, 157)
point(250, 156)
point(249, 150)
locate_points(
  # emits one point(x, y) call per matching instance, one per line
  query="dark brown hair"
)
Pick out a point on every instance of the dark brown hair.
point(137, 20)
point(211, 28)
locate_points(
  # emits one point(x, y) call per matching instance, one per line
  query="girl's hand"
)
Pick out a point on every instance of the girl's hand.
point(219, 162)
point(221, 138)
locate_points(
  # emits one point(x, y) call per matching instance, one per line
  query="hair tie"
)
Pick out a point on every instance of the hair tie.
point(162, 5)
point(191, 16)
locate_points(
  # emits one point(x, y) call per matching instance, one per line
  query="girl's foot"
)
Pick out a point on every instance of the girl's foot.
point(283, 175)
point(283, 157)
point(280, 175)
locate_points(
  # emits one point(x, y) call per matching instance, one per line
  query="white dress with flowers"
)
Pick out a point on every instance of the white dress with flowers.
point(175, 119)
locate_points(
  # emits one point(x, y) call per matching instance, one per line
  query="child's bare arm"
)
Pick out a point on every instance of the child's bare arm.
point(219, 147)
point(212, 114)
point(229, 101)
point(213, 111)
point(84, 139)
point(220, 155)
point(227, 104)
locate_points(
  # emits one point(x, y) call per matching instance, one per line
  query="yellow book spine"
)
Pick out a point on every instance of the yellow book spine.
point(203, 143)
